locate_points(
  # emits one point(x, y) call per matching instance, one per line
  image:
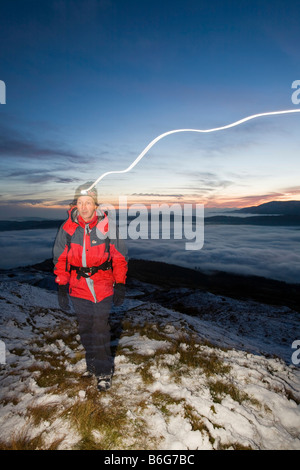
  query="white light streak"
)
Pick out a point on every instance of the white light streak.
point(154, 141)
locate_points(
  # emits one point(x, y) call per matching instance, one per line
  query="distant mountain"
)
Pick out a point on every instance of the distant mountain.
point(273, 208)
point(270, 220)
point(7, 225)
point(287, 214)
point(275, 213)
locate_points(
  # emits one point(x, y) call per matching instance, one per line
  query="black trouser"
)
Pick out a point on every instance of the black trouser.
point(94, 330)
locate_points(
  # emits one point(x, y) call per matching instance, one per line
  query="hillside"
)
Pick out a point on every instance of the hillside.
point(267, 220)
point(193, 370)
point(274, 214)
point(273, 208)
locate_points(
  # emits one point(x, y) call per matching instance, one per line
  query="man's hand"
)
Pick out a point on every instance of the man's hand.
point(63, 298)
point(119, 294)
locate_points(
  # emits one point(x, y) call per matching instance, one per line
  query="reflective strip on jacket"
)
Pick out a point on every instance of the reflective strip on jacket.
point(88, 248)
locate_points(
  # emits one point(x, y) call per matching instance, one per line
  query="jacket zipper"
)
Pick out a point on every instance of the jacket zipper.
point(90, 282)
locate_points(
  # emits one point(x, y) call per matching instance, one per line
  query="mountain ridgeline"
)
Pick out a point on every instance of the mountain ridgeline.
point(273, 208)
point(275, 213)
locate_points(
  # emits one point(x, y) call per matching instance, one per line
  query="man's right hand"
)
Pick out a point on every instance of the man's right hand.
point(63, 298)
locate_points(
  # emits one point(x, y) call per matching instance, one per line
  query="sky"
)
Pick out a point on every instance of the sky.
point(90, 83)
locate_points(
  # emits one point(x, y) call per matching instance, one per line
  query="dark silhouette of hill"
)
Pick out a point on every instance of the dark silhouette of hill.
point(270, 220)
point(291, 208)
point(237, 286)
point(8, 225)
point(274, 213)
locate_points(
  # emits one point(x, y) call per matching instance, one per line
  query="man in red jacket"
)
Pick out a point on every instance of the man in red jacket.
point(90, 263)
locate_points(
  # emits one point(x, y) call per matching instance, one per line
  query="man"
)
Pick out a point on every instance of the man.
point(90, 263)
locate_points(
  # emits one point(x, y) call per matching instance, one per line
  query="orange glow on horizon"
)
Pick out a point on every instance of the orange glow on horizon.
point(221, 202)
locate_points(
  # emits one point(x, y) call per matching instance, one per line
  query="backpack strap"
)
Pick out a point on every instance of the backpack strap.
point(107, 240)
point(107, 247)
point(68, 244)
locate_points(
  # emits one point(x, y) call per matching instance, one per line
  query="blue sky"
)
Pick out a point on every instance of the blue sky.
point(90, 83)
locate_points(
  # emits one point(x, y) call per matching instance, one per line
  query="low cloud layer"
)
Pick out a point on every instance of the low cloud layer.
point(272, 253)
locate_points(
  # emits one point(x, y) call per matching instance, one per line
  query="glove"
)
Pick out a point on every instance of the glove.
point(119, 294)
point(63, 298)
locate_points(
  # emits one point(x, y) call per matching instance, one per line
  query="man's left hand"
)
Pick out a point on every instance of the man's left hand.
point(119, 294)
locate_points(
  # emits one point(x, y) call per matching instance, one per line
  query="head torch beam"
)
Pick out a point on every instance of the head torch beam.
point(154, 141)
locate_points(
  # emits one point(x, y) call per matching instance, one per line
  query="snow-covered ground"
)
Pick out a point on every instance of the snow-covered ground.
point(222, 378)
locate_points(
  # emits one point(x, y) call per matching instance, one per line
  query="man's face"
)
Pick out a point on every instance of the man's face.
point(86, 207)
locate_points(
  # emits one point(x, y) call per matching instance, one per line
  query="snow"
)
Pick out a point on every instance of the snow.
point(179, 404)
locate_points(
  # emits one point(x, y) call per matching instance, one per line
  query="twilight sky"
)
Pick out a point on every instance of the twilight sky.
point(89, 83)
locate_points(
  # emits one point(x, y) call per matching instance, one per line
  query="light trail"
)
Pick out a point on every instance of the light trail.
point(154, 141)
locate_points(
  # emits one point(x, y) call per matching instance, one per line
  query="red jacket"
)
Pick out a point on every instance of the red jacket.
point(88, 247)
